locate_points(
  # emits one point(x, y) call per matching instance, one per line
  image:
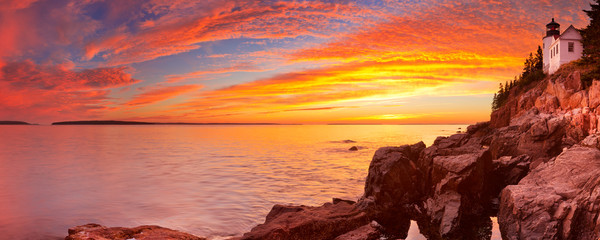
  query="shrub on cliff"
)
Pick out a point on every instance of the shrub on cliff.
point(591, 43)
point(591, 34)
point(532, 72)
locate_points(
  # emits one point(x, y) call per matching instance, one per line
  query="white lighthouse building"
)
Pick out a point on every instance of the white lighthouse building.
point(560, 48)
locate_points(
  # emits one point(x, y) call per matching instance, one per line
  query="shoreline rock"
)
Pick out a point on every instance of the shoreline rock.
point(146, 232)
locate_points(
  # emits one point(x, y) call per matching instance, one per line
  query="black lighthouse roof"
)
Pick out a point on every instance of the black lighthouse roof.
point(552, 29)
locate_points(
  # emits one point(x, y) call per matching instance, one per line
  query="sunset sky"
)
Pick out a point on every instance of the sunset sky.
point(330, 61)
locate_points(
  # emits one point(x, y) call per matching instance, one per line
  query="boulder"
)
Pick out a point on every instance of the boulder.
point(547, 103)
point(99, 232)
point(370, 231)
point(457, 194)
point(393, 180)
point(303, 222)
point(558, 200)
point(594, 94)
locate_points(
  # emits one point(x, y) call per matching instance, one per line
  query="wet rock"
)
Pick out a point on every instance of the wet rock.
point(510, 170)
point(457, 194)
point(558, 200)
point(472, 129)
point(98, 232)
point(303, 222)
point(370, 231)
point(393, 180)
point(353, 148)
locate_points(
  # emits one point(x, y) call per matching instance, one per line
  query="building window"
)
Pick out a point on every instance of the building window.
point(571, 46)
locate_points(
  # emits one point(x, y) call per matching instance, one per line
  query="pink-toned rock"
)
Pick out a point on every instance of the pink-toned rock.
point(527, 100)
point(547, 103)
point(563, 88)
point(370, 231)
point(393, 180)
point(594, 94)
point(557, 200)
point(303, 222)
point(98, 232)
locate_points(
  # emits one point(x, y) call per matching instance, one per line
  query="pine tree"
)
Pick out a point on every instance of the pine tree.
point(539, 59)
point(591, 34)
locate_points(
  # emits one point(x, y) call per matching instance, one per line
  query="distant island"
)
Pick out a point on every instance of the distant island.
point(101, 122)
point(14, 123)
point(114, 122)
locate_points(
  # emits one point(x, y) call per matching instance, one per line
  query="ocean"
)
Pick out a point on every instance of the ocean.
point(213, 181)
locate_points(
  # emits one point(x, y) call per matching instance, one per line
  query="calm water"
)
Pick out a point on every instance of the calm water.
point(211, 181)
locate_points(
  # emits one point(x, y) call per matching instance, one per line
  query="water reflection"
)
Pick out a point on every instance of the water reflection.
point(207, 180)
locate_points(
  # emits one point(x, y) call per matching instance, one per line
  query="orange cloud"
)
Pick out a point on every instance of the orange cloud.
point(242, 67)
point(36, 92)
point(485, 28)
point(349, 87)
point(161, 94)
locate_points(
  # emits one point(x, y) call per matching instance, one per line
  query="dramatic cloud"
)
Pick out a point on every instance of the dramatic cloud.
point(36, 92)
point(217, 20)
point(242, 67)
point(272, 60)
point(161, 94)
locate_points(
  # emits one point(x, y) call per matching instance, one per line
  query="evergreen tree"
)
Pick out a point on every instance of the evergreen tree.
point(591, 34)
point(539, 59)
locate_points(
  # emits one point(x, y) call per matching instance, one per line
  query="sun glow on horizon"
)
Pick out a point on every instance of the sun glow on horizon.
point(265, 61)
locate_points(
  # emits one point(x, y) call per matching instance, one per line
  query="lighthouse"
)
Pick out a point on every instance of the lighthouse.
point(559, 49)
point(552, 32)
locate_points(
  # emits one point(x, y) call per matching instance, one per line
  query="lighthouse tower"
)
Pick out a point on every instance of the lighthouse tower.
point(560, 48)
point(552, 33)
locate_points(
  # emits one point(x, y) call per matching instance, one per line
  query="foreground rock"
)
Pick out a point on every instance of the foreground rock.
point(97, 232)
point(302, 222)
point(443, 187)
point(558, 200)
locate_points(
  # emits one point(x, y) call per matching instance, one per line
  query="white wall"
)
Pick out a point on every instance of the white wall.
point(547, 42)
point(564, 56)
point(555, 57)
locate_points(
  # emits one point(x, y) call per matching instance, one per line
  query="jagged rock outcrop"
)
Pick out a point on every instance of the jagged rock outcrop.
point(303, 222)
point(394, 179)
point(450, 188)
point(557, 200)
point(99, 232)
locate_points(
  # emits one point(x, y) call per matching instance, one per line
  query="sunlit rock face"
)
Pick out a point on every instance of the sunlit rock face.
point(557, 200)
point(453, 187)
point(302, 222)
point(95, 231)
point(448, 188)
point(558, 98)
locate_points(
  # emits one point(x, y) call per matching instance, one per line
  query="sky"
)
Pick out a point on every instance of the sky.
point(306, 62)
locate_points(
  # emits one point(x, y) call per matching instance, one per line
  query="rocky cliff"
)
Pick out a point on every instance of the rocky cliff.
point(535, 165)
